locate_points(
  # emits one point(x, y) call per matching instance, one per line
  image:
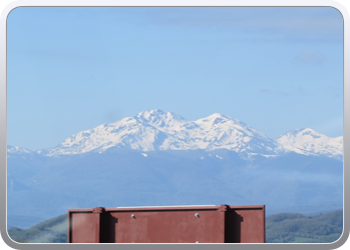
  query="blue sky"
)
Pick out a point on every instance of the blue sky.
point(72, 69)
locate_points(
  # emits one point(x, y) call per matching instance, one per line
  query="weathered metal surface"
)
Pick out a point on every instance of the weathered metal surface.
point(180, 224)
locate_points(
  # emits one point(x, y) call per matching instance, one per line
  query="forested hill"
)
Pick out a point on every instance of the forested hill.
point(298, 228)
point(280, 228)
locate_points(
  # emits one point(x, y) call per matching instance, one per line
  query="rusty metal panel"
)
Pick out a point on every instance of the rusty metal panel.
point(245, 224)
point(85, 226)
point(166, 226)
point(186, 224)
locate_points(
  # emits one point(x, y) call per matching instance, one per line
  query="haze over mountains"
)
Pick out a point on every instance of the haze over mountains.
point(160, 158)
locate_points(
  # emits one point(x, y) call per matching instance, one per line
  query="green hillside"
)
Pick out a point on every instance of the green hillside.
point(280, 228)
point(298, 228)
point(49, 231)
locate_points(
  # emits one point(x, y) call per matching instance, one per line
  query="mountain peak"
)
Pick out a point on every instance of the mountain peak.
point(159, 114)
point(148, 113)
point(303, 131)
point(218, 118)
point(18, 150)
point(218, 115)
point(159, 118)
point(308, 141)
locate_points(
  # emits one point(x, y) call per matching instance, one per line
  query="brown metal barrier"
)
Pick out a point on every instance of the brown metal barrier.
point(178, 224)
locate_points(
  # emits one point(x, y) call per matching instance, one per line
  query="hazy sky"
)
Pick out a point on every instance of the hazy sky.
point(72, 69)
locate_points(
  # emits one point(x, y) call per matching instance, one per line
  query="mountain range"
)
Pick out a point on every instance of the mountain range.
point(159, 158)
point(158, 130)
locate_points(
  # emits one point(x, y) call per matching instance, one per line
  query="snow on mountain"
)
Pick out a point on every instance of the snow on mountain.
point(219, 131)
point(309, 142)
point(158, 130)
point(14, 151)
point(17, 150)
point(128, 132)
point(161, 119)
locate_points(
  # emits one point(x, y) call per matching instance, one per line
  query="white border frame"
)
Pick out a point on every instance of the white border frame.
point(249, 3)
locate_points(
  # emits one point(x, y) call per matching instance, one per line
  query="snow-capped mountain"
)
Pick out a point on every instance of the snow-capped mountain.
point(14, 151)
point(309, 142)
point(158, 130)
point(17, 150)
